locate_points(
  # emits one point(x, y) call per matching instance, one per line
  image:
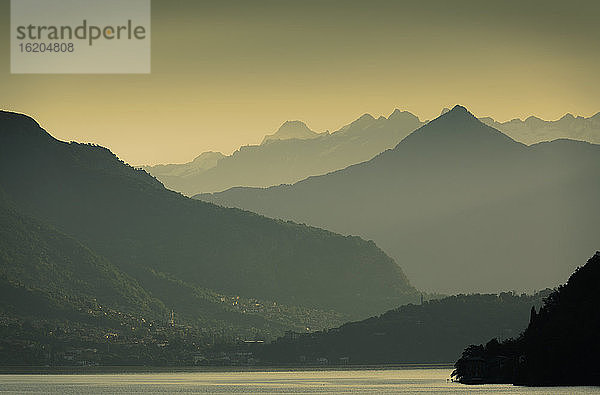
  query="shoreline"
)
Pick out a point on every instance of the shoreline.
point(59, 370)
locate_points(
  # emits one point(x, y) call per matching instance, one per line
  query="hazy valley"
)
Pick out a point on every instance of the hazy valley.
point(91, 245)
point(340, 196)
point(295, 152)
point(459, 205)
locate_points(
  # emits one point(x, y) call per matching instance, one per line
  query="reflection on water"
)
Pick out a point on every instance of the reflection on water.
point(326, 381)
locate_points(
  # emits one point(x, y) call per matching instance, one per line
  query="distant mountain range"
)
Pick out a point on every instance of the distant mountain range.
point(171, 175)
point(292, 153)
point(79, 222)
point(534, 130)
point(295, 152)
point(291, 130)
point(460, 205)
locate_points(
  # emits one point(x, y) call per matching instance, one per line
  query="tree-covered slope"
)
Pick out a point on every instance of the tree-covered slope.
point(435, 331)
point(38, 260)
point(559, 346)
point(47, 275)
point(131, 219)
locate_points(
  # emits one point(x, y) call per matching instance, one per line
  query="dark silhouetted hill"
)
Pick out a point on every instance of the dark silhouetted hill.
point(459, 205)
point(46, 274)
point(129, 218)
point(559, 346)
point(433, 332)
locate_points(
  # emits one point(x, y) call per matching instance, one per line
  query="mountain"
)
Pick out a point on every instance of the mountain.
point(460, 205)
point(170, 174)
point(129, 218)
point(435, 331)
point(291, 130)
point(202, 162)
point(292, 158)
point(46, 274)
point(59, 276)
point(294, 153)
point(534, 130)
point(559, 346)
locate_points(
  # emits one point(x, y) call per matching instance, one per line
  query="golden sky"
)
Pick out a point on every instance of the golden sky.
point(225, 73)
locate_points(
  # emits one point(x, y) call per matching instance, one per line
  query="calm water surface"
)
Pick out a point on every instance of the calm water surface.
point(412, 381)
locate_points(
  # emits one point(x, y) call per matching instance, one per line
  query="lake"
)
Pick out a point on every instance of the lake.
point(402, 380)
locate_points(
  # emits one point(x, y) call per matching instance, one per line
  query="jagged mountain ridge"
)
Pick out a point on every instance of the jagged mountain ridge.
point(461, 205)
point(534, 130)
point(291, 160)
point(278, 161)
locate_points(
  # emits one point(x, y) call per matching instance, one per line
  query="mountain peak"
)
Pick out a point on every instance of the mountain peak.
point(291, 130)
point(18, 122)
point(460, 108)
point(14, 116)
point(567, 116)
point(458, 112)
point(456, 128)
point(402, 115)
point(534, 122)
point(208, 156)
point(20, 127)
point(533, 118)
point(365, 117)
point(362, 122)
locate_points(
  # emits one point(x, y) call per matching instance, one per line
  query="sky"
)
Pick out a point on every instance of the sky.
point(226, 73)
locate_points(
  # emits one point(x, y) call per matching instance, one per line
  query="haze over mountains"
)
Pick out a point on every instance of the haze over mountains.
point(294, 152)
point(534, 130)
point(172, 174)
point(180, 252)
point(291, 130)
point(286, 157)
point(90, 245)
point(460, 205)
